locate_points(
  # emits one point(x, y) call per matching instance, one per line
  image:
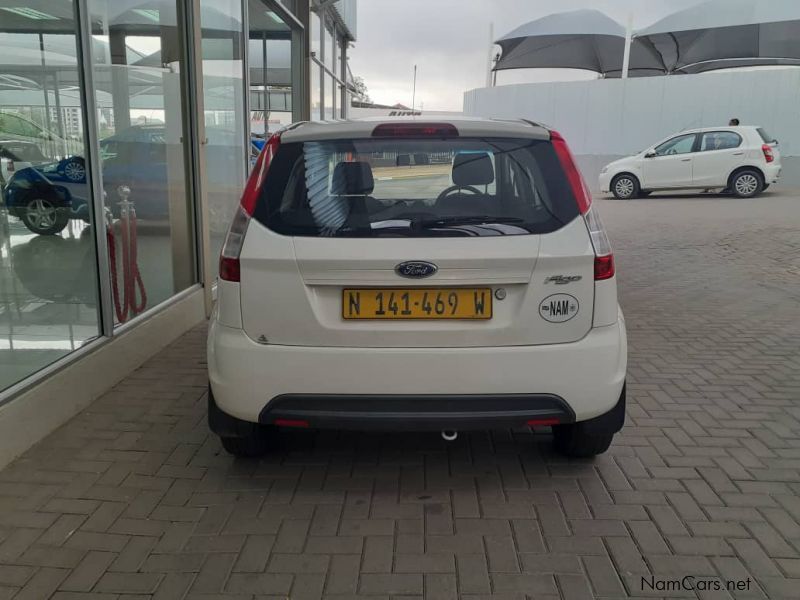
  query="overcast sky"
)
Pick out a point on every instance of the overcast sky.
point(449, 41)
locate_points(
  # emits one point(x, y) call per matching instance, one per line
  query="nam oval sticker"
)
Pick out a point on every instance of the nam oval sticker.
point(558, 308)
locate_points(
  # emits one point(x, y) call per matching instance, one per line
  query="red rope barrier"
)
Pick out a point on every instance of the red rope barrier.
point(125, 303)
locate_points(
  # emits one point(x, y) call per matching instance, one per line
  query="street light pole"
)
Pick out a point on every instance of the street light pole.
point(414, 90)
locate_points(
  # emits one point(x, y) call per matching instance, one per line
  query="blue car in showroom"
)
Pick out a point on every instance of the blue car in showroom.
point(46, 195)
point(43, 206)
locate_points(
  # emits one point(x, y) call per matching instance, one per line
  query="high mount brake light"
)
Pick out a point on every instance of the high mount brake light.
point(229, 268)
point(415, 130)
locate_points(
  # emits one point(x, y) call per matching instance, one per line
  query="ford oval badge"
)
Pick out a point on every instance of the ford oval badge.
point(416, 269)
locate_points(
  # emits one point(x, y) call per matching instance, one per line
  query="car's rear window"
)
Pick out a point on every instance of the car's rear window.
point(416, 188)
point(22, 152)
point(768, 139)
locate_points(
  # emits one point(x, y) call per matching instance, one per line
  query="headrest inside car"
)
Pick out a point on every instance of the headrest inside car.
point(352, 179)
point(473, 169)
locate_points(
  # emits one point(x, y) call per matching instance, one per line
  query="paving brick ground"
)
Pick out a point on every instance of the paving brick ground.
point(133, 499)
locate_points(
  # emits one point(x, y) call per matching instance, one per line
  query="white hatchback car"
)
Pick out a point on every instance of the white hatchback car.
point(742, 160)
point(417, 276)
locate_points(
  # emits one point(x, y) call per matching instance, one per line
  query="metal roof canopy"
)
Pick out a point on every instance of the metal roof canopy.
point(581, 39)
point(727, 33)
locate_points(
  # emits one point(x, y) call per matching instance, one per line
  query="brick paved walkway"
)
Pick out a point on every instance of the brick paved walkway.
point(133, 499)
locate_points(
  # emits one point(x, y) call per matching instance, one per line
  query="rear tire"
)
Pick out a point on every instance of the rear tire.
point(573, 441)
point(75, 170)
point(747, 183)
point(625, 187)
point(251, 446)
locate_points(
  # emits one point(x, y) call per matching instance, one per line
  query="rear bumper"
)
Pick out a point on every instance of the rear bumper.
point(413, 413)
point(772, 173)
point(416, 413)
point(260, 382)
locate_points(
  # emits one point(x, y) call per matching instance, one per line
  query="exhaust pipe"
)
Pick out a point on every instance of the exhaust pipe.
point(449, 436)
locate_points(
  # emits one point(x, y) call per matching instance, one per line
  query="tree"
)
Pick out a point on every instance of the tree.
point(361, 93)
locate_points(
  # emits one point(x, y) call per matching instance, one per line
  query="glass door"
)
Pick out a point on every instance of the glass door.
point(137, 57)
point(224, 166)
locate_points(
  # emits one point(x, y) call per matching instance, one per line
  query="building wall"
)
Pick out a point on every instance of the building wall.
point(606, 119)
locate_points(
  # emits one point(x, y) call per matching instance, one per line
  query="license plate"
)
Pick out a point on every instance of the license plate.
point(426, 303)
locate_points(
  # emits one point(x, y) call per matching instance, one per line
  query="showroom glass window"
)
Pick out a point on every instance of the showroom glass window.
point(316, 92)
point(315, 34)
point(224, 165)
point(270, 57)
point(139, 71)
point(48, 268)
point(328, 98)
point(327, 58)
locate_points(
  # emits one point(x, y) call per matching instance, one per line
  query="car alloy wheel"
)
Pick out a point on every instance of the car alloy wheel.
point(624, 187)
point(41, 213)
point(746, 184)
point(74, 171)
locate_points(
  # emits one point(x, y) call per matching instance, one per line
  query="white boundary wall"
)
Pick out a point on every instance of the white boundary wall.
point(604, 119)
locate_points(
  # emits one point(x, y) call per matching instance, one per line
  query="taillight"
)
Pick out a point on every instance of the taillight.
point(579, 189)
point(437, 130)
point(603, 267)
point(603, 257)
point(768, 155)
point(229, 269)
point(232, 248)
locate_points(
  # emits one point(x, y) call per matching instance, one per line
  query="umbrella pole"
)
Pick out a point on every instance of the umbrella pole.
point(626, 57)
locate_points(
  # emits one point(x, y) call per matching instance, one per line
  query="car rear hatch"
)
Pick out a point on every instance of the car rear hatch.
point(411, 238)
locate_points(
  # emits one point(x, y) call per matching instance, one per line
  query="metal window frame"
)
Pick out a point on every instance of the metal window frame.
point(91, 133)
point(195, 131)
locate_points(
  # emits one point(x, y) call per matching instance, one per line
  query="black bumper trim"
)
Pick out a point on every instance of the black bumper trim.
point(416, 412)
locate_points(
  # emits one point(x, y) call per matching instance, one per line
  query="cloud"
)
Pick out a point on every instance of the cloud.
point(449, 41)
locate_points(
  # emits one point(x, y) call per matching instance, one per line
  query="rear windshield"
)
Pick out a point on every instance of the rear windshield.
point(22, 152)
point(768, 139)
point(416, 188)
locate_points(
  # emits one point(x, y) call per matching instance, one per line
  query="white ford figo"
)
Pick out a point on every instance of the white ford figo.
point(403, 275)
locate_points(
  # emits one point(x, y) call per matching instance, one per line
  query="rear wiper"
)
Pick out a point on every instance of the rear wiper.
point(464, 220)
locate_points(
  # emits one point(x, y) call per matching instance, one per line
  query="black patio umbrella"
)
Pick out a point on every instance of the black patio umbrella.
point(727, 33)
point(581, 39)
